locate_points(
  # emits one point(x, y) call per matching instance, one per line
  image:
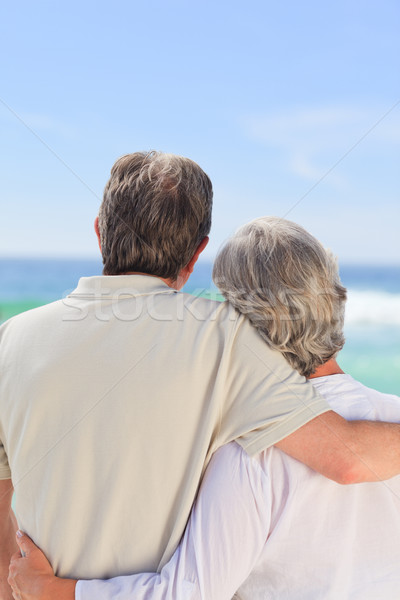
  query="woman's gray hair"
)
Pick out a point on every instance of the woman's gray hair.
point(156, 210)
point(288, 285)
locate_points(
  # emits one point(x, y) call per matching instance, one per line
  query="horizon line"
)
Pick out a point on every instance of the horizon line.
point(201, 260)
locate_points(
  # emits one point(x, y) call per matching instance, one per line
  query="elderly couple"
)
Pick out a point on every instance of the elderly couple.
point(116, 402)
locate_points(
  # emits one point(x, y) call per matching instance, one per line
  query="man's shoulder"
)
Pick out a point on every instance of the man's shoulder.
point(32, 317)
point(222, 321)
point(208, 311)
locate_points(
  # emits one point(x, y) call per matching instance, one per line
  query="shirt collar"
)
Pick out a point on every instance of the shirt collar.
point(103, 286)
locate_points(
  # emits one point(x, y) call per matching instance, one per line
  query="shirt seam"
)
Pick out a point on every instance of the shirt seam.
point(288, 426)
point(220, 405)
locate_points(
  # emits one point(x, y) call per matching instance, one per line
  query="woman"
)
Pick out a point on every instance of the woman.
point(265, 521)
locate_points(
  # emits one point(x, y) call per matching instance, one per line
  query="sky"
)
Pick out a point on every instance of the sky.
point(292, 108)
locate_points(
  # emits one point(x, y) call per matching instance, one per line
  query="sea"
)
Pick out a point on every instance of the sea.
point(372, 326)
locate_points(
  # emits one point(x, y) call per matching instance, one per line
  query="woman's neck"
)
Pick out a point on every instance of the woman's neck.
point(329, 368)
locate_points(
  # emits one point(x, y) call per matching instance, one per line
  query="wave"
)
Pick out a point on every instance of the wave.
point(372, 307)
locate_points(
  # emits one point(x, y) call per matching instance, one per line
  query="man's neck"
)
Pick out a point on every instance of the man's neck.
point(329, 368)
point(176, 285)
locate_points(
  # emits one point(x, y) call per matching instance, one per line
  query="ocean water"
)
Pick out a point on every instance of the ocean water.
point(372, 326)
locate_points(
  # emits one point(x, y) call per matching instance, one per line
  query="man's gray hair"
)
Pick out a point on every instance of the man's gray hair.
point(156, 210)
point(288, 285)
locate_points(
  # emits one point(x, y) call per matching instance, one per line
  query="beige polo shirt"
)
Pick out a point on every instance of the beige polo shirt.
point(111, 404)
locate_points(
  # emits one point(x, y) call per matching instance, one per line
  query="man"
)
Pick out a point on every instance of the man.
point(112, 402)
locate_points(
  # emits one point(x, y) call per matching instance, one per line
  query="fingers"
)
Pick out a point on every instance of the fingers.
point(25, 543)
point(11, 582)
point(13, 567)
point(15, 556)
point(12, 570)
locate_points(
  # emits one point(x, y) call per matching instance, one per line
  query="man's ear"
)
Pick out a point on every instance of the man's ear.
point(185, 273)
point(199, 250)
point(97, 230)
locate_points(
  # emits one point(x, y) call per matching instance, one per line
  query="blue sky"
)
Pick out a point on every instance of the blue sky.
point(292, 108)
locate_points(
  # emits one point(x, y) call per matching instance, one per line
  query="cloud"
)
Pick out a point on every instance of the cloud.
point(302, 166)
point(40, 123)
point(312, 140)
point(47, 123)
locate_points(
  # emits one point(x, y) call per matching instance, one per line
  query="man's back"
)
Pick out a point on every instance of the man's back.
point(328, 541)
point(111, 403)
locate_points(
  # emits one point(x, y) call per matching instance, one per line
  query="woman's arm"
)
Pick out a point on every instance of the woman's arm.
point(226, 532)
point(8, 527)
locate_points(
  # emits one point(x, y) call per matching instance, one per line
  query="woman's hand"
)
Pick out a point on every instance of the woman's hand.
point(31, 576)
